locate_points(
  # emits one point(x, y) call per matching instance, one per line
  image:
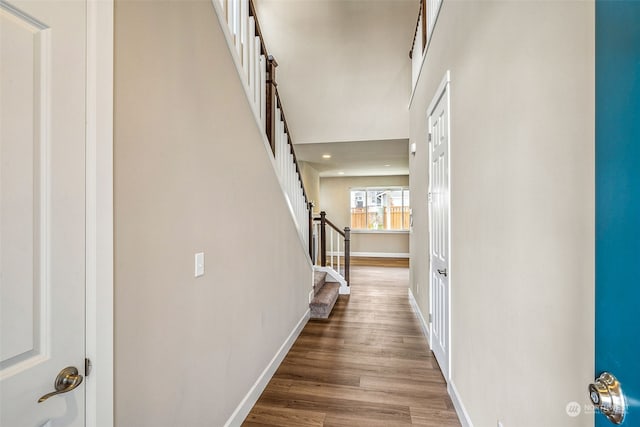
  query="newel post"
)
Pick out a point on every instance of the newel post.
point(347, 253)
point(323, 238)
point(270, 96)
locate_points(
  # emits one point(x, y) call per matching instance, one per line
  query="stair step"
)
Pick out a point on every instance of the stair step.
point(318, 281)
point(325, 299)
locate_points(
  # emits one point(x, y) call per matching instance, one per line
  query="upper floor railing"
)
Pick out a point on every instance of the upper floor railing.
point(259, 73)
point(427, 16)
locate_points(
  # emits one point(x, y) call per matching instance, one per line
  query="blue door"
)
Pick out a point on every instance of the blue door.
point(618, 199)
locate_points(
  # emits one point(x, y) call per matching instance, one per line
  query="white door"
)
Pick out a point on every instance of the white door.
point(42, 210)
point(439, 226)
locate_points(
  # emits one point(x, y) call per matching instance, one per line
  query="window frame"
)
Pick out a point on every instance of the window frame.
point(405, 208)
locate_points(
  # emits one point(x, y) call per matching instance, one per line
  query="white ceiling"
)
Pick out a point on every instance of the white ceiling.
point(344, 72)
point(357, 158)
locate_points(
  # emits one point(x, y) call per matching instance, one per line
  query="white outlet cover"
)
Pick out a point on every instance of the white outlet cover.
point(199, 259)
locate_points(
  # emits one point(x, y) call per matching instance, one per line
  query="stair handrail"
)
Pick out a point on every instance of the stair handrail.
point(421, 24)
point(272, 64)
point(346, 235)
point(258, 70)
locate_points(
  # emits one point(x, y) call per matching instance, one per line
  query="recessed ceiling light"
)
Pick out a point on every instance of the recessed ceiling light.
point(340, 173)
point(387, 165)
point(326, 156)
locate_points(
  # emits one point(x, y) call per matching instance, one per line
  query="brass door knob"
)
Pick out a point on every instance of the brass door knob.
point(67, 380)
point(606, 395)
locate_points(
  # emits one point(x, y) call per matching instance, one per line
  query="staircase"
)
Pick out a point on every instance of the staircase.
point(257, 70)
point(325, 296)
point(331, 254)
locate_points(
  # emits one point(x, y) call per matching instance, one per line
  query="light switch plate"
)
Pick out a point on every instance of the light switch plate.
point(199, 264)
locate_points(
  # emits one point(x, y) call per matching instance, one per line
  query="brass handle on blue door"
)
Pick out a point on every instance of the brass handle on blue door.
point(67, 380)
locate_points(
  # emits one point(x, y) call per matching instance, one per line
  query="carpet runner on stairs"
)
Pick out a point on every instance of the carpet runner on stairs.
point(325, 296)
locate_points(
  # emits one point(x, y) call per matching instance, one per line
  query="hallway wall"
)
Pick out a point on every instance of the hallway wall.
point(192, 174)
point(522, 200)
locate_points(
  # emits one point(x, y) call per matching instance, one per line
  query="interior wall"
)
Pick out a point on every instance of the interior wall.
point(522, 203)
point(330, 55)
point(334, 199)
point(191, 167)
point(311, 179)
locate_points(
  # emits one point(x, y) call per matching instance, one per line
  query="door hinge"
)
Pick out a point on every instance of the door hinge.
point(429, 196)
point(430, 135)
point(430, 317)
point(87, 367)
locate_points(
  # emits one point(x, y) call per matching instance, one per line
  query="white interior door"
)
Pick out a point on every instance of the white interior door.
point(439, 226)
point(42, 210)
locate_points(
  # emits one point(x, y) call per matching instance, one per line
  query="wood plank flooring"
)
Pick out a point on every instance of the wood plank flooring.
point(367, 365)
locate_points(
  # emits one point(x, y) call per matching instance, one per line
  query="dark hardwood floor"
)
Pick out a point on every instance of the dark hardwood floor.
point(367, 365)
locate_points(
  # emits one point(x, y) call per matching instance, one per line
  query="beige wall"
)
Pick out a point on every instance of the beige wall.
point(522, 202)
point(190, 169)
point(344, 69)
point(311, 180)
point(334, 199)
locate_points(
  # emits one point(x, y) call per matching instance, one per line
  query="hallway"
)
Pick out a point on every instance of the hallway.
point(368, 365)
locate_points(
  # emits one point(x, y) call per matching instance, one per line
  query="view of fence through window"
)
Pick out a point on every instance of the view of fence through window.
point(380, 208)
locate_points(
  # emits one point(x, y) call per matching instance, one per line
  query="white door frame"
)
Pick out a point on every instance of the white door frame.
point(443, 90)
point(99, 214)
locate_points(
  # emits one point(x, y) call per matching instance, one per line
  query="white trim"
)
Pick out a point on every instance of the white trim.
point(367, 231)
point(335, 277)
point(99, 213)
point(463, 415)
point(258, 387)
point(382, 254)
point(426, 330)
point(444, 89)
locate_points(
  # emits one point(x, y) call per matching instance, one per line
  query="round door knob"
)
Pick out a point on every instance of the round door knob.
point(606, 395)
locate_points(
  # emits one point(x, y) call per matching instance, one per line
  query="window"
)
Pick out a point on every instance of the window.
point(380, 208)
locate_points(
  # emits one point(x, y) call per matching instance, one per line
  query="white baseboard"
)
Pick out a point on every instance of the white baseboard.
point(464, 417)
point(465, 420)
point(371, 254)
point(258, 387)
point(423, 323)
point(381, 254)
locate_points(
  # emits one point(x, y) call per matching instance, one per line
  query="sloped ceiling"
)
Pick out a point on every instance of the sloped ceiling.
point(344, 73)
point(344, 79)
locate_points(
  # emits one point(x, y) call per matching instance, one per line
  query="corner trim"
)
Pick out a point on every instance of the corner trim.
point(423, 323)
point(464, 417)
point(243, 409)
point(99, 237)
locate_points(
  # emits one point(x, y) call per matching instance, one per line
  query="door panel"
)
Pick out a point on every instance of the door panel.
point(42, 139)
point(618, 198)
point(439, 227)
